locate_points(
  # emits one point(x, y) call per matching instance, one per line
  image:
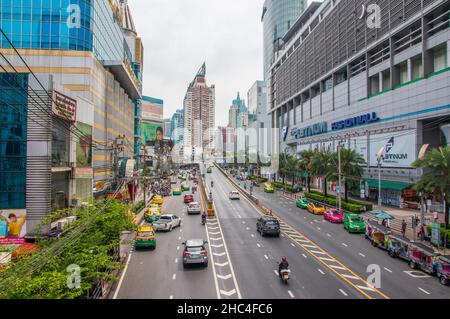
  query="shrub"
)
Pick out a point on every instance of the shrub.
point(332, 201)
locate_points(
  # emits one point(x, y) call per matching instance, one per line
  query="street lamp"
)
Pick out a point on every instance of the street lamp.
point(422, 152)
point(379, 158)
point(340, 172)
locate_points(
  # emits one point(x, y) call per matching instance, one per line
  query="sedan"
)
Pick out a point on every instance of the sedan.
point(195, 252)
point(188, 199)
point(234, 195)
point(302, 203)
point(333, 215)
point(316, 210)
point(167, 222)
point(193, 208)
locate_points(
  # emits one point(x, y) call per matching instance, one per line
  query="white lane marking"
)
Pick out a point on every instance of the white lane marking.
point(387, 269)
point(303, 240)
point(258, 245)
point(292, 244)
point(318, 252)
point(171, 297)
point(174, 276)
point(327, 259)
point(179, 238)
point(276, 272)
point(320, 270)
point(178, 247)
point(344, 244)
point(343, 292)
point(221, 264)
point(337, 267)
point(365, 288)
point(253, 235)
point(176, 260)
point(304, 256)
point(416, 274)
point(291, 294)
point(328, 235)
point(265, 256)
point(213, 227)
point(318, 228)
point(214, 233)
point(282, 235)
point(309, 246)
point(122, 276)
point(219, 254)
point(216, 246)
point(349, 276)
point(239, 216)
point(243, 222)
point(181, 230)
point(214, 238)
point(423, 290)
point(224, 277)
point(247, 228)
point(228, 293)
point(362, 255)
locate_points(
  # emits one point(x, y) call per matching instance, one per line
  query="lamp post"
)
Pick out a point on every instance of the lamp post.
point(340, 178)
point(422, 152)
point(379, 158)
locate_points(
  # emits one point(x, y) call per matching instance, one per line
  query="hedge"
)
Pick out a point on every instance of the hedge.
point(369, 206)
point(333, 202)
point(288, 187)
point(261, 179)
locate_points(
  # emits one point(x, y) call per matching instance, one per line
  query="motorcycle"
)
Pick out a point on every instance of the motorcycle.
point(285, 275)
point(203, 219)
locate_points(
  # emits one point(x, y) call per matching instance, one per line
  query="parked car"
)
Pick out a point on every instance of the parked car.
point(185, 186)
point(302, 203)
point(194, 208)
point(209, 170)
point(157, 199)
point(443, 269)
point(167, 222)
point(268, 188)
point(188, 199)
point(195, 252)
point(234, 195)
point(333, 216)
point(145, 237)
point(315, 209)
point(268, 226)
point(353, 223)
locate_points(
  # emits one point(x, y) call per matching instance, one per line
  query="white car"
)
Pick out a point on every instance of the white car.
point(194, 208)
point(234, 195)
point(167, 222)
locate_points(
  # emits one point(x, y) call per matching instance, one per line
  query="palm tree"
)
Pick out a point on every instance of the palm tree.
point(321, 165)
point(305, 161)
point(352, 164)
point(292, 167)
point(436, 175)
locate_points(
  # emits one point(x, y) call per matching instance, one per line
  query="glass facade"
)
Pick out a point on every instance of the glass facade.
point(82, 25)
point(278, 17)
point(13, 140)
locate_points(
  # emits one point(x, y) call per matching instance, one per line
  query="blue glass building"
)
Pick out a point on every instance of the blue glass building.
point(13, 140)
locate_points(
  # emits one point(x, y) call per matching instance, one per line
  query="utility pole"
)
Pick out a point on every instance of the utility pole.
point(117, 148)
point(340, 174)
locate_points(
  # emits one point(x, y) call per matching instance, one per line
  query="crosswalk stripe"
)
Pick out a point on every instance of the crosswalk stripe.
point(318, 252)
point(350, 276)
point(327, 259)
point(365, 288)
point(337, 267)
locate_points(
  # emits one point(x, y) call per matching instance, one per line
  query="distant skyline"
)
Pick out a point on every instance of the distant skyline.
point(180, 35)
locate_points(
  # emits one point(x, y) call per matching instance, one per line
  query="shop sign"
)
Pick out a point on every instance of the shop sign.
point(355, 121)
point(64, 107)
point(83, 172)
point(311, 130)
point(436, 233)
point(399, 148)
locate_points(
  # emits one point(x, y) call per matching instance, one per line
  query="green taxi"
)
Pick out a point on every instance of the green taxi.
point(176, 191)
point(354, 223)
point(209, 170)
point(152, 215)
point(145, 237)
point(185, 187)
point(302, 203)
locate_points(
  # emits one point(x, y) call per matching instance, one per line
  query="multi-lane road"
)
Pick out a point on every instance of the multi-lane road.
point(325, 261)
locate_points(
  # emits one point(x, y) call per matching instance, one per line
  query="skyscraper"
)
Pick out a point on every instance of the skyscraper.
point(277, 17)
point(199, 117)
point(238, 113)
point(176, 127)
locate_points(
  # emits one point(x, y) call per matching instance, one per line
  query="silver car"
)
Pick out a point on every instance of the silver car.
point(194, 208)
point(167, 222)
point(195, 252)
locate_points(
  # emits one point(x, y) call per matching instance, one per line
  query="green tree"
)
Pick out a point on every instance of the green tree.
point(321, 166)
point(436, 175)
point(305, 161)
point(352, 164)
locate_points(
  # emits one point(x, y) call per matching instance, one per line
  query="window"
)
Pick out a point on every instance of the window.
point(417, 69)
point(440, 59)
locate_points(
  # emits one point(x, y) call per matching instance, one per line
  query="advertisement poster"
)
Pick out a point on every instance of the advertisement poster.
point(12, 226)
point(148, 131)
point(400, 148)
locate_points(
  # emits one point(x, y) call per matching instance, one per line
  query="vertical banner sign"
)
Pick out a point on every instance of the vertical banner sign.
point(436, 233)
point(64, 107)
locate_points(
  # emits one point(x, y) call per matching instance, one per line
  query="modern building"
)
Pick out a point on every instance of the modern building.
point(238, 113)
point(152, 118)
point(345, 78)
point(167, 128)
point(278, 16)
point(176, 126)
point(86, 78)
point(199, 116)
point(225, 145)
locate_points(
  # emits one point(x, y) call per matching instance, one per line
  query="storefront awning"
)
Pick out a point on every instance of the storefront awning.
point(399, 186)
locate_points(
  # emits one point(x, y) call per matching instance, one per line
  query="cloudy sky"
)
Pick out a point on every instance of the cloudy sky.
point(179, 35)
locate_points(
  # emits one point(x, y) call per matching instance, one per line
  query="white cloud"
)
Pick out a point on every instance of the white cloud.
point(179, 35)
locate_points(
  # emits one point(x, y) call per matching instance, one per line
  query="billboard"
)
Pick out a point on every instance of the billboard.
point(12, 226)
point(152, 109)
point(148, 130)
point(400, 148)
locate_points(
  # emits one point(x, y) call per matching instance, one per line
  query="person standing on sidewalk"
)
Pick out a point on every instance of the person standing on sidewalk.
point(435, 216)
point(403, 228)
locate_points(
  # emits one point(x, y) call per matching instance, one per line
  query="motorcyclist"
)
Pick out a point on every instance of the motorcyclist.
point(203, 217)
point(283, 265)
point(212, 184)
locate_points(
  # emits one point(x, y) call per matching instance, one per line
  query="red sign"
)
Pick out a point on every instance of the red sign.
point(64, 107)
point(12, 240)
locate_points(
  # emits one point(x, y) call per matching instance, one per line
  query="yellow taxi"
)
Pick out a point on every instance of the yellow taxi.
point(152, 215)
point(154, 207)
point(268, 188)
point(157, 199)
point(315, 209)
point(145, 237)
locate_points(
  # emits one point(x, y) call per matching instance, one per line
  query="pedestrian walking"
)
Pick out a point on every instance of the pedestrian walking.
point(383, 222)
point(403, 228)
point(435, 216)
point(422, 232)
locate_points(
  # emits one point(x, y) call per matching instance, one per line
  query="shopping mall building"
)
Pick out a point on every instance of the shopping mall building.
point(73, 86)
point(368, 74)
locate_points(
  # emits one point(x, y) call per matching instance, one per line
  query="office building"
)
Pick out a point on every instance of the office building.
point(367, 81)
